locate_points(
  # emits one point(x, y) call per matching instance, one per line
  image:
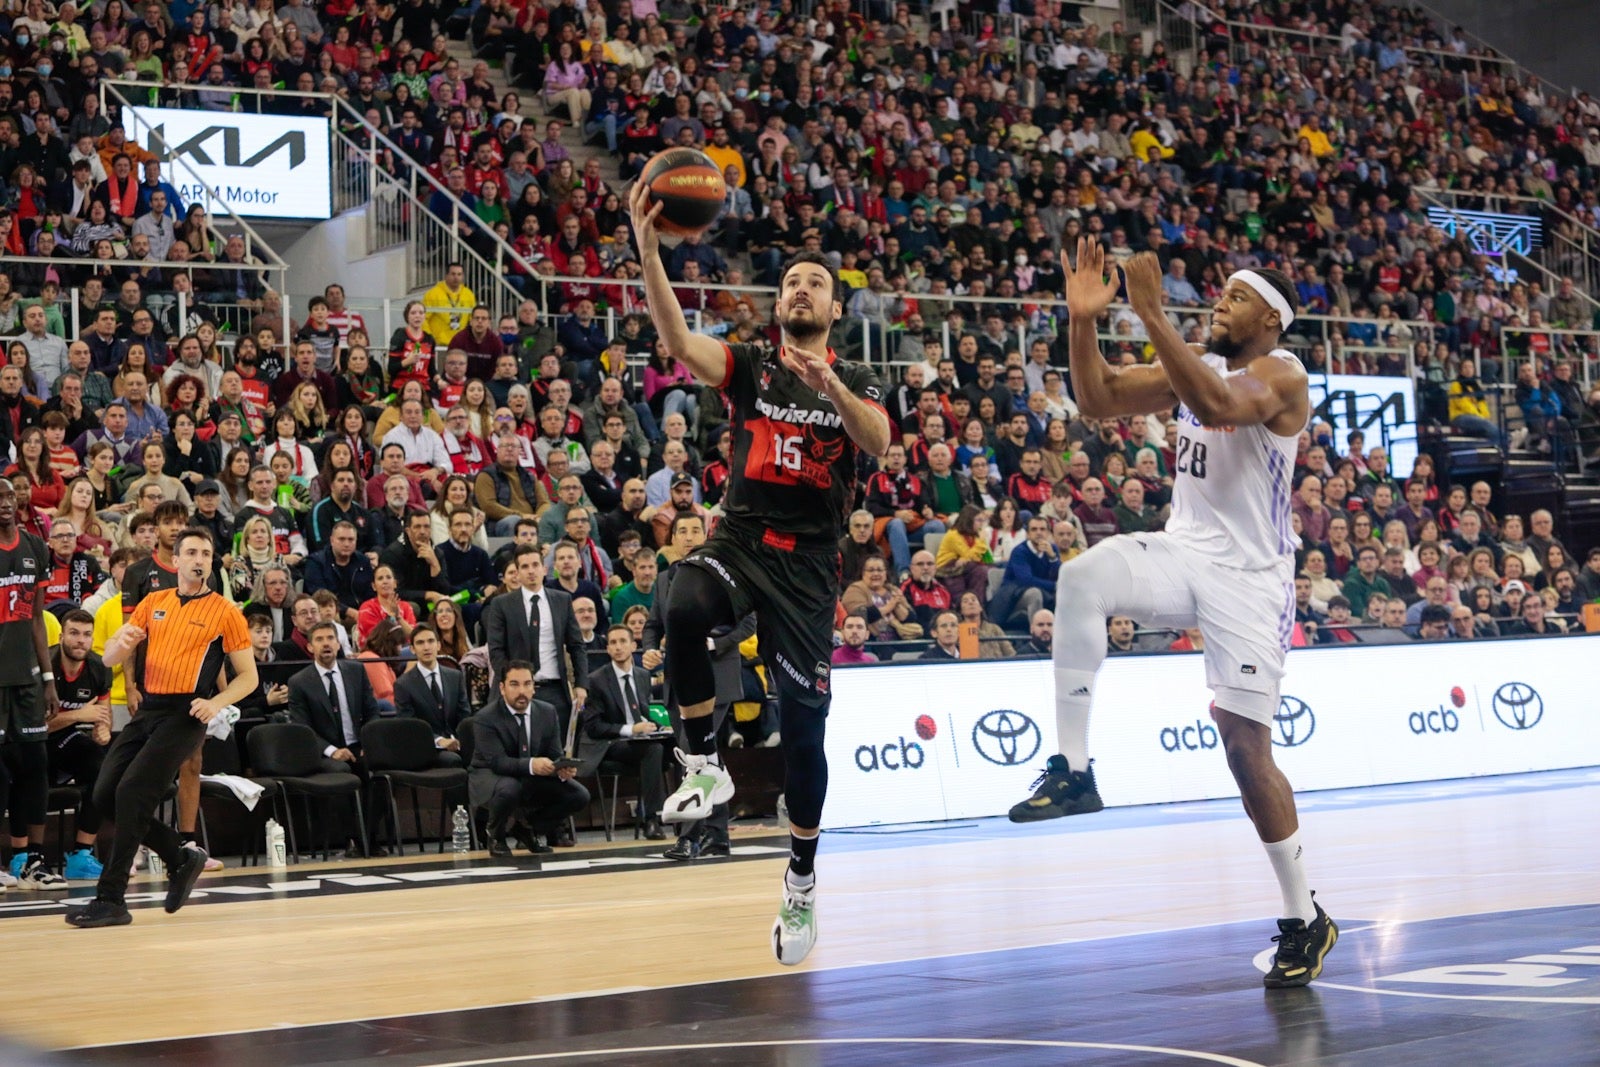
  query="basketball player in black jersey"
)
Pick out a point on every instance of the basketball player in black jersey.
point(27, 688)
point(801, 416)
point(79, 734)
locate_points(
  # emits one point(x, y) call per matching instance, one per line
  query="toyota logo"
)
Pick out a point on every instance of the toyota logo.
point(1294, 723)
point(1518, 706)
point(1006, 737)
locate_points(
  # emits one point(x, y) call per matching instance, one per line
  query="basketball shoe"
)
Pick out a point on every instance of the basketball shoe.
point(795, 929)
point(705, 785)
point(1059, 791)
point(1302, 947)
point(35, 875)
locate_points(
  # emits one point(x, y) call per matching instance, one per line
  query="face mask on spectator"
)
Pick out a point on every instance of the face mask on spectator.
point(44, 70)
point(22, 40)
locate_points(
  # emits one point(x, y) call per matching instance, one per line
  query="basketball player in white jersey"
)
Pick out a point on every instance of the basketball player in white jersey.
point(1225, 562)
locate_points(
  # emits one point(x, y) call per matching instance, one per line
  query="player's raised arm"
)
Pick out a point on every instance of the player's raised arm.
point(1268, 390)
point(1104, 391)
point(706, 358)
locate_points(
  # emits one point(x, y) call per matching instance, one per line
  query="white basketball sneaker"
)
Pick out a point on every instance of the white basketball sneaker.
point(705, 785)
point(795, 929)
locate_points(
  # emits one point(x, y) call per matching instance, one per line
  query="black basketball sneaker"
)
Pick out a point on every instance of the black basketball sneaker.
point(1059, 791)
point(1302, 947)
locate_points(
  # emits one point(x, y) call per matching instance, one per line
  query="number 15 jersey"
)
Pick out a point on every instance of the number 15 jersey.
point(793, 464)
point(1232, 486)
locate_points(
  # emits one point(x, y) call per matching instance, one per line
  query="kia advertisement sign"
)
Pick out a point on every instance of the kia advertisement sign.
point(1384, 409)
point(260, 166)
point(931, 742)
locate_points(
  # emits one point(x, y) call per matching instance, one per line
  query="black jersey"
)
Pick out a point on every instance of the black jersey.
point(91, 686)
point(793, 473)
point(150, 575)
point(23, 565)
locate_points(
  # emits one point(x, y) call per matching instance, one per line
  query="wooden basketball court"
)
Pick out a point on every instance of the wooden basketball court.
point(1469, 916)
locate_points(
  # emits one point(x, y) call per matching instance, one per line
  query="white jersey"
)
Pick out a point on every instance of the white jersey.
point(1232, 487)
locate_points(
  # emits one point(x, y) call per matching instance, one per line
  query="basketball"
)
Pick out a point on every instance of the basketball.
point(689, 187)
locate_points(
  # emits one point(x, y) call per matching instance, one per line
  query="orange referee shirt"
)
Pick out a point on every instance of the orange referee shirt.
point(188, 640)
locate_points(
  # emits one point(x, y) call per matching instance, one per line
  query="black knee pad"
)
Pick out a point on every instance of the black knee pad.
point(805, 761)
point(696, 604)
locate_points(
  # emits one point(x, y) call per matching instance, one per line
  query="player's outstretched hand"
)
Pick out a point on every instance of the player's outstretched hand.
point(644, 213)
point(809, 367)
point(1089, 290)
point(1143, 273)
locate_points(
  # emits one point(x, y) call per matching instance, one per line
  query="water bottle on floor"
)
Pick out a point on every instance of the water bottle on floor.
point(277, 852)
point(783, 812)
point(460, 832)
point(154, 863)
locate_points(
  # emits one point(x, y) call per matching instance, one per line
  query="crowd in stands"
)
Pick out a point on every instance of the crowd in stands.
point(358, 480)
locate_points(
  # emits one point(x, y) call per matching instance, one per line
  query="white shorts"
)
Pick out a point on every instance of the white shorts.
point(1245, 617)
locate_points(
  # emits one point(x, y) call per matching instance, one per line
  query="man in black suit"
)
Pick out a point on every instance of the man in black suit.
point(334, 698)
point(434, 693)
point(514, 774)
point(536, 624)
point(615, 726)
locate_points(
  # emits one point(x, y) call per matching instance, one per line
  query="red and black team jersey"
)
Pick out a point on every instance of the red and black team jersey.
point(23, 565)
point(793, 472)
point(91, 686)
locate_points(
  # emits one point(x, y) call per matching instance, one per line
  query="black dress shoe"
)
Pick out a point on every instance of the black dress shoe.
point(498, 849)
point(563, 838)
point(714, 850)
point(536, 846)
point(653, 830)
point(683, 850)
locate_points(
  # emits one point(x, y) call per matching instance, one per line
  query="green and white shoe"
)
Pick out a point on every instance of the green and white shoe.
point(705, 785)
point(795, 929)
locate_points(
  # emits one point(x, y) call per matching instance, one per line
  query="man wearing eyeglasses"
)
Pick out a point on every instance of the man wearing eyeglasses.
point(74, 575)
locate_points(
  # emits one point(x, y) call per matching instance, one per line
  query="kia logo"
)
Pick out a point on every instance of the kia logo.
point(1518, 706)
point(1006, 737)
point(1294, 723)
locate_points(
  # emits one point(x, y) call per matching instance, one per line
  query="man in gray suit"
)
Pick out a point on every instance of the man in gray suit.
point(615, 725)
point(517, 741)
point(434, 693)
point(535, 623)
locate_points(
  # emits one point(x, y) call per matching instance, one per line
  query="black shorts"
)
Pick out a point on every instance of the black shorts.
point(22, 714)
point(793, 593)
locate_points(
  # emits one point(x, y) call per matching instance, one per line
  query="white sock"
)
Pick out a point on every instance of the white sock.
point(1285, 856)
point(1074, 693)
point(799, 882)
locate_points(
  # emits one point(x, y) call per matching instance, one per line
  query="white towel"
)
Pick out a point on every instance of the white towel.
point(247, 791)
point(221, 724)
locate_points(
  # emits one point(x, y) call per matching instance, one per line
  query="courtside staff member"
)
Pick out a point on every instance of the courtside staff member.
point(191, 632)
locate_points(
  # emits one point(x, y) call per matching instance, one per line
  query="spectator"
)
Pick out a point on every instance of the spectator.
point(1030, 576)
point(946, 630)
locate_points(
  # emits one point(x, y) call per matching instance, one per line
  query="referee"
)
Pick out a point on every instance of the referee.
point(191, 631)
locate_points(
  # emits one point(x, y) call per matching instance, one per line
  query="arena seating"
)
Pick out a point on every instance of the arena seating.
point(946, 168)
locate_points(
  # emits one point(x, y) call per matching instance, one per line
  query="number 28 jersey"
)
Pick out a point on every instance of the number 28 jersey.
point(793, 465)
point(1232, 486)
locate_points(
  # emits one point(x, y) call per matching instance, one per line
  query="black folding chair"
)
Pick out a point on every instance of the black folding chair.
point(400, 752)
point(290, 753)
point(222, 757)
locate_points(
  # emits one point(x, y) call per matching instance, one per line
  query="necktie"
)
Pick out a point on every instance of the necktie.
point(433, 683)
point(522, 728)
point(344, 716)
point(632, 699)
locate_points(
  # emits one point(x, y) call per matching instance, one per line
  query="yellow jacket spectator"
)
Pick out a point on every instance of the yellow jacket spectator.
point(1142, 141)
point(1320, 145)
point(449, 304)
point(1467, 399)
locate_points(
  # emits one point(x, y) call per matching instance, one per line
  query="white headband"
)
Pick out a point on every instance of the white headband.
point(1274, 299)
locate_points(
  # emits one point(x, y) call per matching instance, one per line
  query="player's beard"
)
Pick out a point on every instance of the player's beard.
point(804, 327)
point(1226, 347)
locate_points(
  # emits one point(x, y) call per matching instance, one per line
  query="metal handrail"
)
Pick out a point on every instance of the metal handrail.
point(113, 86)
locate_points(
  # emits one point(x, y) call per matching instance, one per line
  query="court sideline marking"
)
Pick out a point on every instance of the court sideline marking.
point(984, 1042)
